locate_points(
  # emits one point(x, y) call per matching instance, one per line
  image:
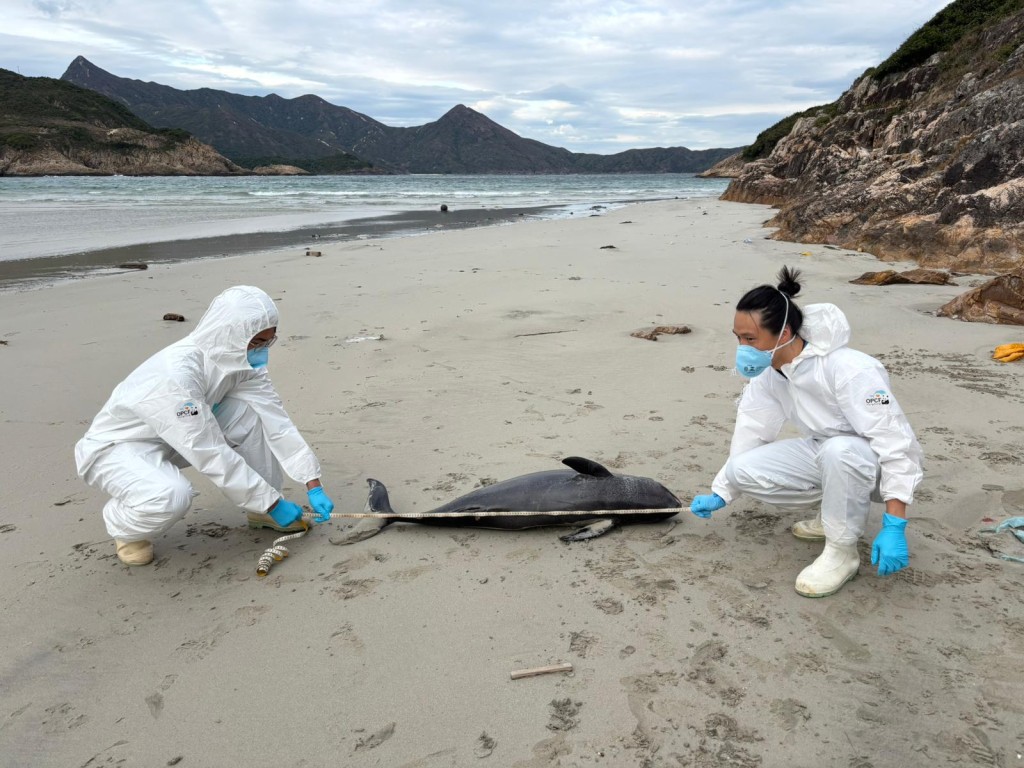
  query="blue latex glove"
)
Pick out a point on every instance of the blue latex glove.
point(703, 506)
point(321, 504)
point(285, 512)
point(889, 550)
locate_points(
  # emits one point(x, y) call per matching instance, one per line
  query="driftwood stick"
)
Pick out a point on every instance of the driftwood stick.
point(564, 666)
point(542, 333)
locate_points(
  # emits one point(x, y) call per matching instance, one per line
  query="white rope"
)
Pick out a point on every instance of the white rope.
point(278, 552)
point(507, 513)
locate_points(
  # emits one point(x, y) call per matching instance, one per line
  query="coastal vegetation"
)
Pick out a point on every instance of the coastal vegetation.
point(947, 28)
point(769, 137)
point(43, 112)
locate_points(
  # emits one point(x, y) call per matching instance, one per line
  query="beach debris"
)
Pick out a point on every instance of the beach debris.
point(318, 254)
point(998, 547)
point(1000, 301)
point(3, 342)
point(175, 317)
point(444, 208)
point(651, 334)
point(1008, 353)
point(133, 265)
point(911, 276)
point(485, 746)
point(608, 247)
point(357, 339)
point(542, 333)
point(564, 666)
point(626, 222)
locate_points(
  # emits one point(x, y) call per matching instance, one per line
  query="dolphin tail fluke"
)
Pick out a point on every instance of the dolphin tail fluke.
point(377, 501)
point(592, 531)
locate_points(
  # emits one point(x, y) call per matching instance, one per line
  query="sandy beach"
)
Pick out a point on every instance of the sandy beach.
point(502, 350)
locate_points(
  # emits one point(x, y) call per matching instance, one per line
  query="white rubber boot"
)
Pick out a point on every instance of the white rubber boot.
point(263, 520)
point(134, 552)
point(835, 566)
point(809, 530)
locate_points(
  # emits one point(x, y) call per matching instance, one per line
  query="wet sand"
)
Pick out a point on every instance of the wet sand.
point(503, 350)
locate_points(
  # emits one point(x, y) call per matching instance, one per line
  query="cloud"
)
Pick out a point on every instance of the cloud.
point(590, 75)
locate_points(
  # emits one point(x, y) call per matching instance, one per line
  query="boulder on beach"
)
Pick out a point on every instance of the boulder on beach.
point(910, 277)
point(999, 301)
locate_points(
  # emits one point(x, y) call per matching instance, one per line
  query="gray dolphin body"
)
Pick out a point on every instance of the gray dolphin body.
point(584, 492)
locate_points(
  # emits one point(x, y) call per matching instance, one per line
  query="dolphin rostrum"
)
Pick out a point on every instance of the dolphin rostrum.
point(584, 492)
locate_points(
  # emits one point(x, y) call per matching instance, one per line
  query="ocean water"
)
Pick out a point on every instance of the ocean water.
point(62, 216)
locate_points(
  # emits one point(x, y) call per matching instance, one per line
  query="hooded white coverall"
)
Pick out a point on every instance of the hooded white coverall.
point(161, 419)
point(857, 444)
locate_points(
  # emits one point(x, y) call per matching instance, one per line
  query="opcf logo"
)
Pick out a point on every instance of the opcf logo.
point(881, 397)
point(186, 409)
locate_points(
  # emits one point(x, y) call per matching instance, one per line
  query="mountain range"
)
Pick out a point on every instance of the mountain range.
point(311, 133)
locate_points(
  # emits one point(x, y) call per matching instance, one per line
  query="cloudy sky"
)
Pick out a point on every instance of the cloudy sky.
point(591, 76)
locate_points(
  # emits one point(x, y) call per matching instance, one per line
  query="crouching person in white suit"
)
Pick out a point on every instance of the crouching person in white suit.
point(205, 401)
point(856, 445)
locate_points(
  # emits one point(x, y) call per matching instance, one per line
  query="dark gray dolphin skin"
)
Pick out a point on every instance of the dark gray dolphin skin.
point(581, 493)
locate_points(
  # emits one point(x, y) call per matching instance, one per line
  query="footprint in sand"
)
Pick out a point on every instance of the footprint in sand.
point(581, 643)
point(564, 714)
point(374, 740)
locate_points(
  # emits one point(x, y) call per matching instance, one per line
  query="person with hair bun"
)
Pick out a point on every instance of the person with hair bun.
point(856, 445)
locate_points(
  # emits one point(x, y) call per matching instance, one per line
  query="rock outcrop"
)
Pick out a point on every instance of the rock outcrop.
point(729, 168)
point(910, 277)
point(123, 151)
point(924, 165)
point(1000, 300)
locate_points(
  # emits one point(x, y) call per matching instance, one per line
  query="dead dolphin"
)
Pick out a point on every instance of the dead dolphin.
point(581, 493)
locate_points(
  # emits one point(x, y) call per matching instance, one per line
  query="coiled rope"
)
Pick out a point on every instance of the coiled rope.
point(278, 552)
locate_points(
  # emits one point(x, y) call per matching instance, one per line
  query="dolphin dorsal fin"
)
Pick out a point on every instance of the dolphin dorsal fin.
point(586, 466)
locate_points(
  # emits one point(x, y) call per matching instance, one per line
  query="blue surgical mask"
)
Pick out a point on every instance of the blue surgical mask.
point(258, 357)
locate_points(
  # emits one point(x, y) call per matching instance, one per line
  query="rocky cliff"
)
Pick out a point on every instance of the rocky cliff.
point(924, 164)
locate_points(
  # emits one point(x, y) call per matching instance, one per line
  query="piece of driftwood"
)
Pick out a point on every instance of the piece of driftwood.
point(318, 254)
point(174, 316)
point(564, 666)
point(133, 265)
point(542, 333)
point(651, 334)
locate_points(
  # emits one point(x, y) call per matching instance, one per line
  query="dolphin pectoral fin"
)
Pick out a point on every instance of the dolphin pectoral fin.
point(592, 531)
point(586, 466)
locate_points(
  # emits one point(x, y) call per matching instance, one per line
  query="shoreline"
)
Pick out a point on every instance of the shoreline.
point(25, 274)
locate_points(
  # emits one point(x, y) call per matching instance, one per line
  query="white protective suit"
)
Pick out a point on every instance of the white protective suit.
point(857, 443)
point(161, 418)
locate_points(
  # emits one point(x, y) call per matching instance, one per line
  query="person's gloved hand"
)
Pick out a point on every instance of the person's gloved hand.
point(889, 550)
point(321, 504)
point(703, 506)
point(285, 512)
